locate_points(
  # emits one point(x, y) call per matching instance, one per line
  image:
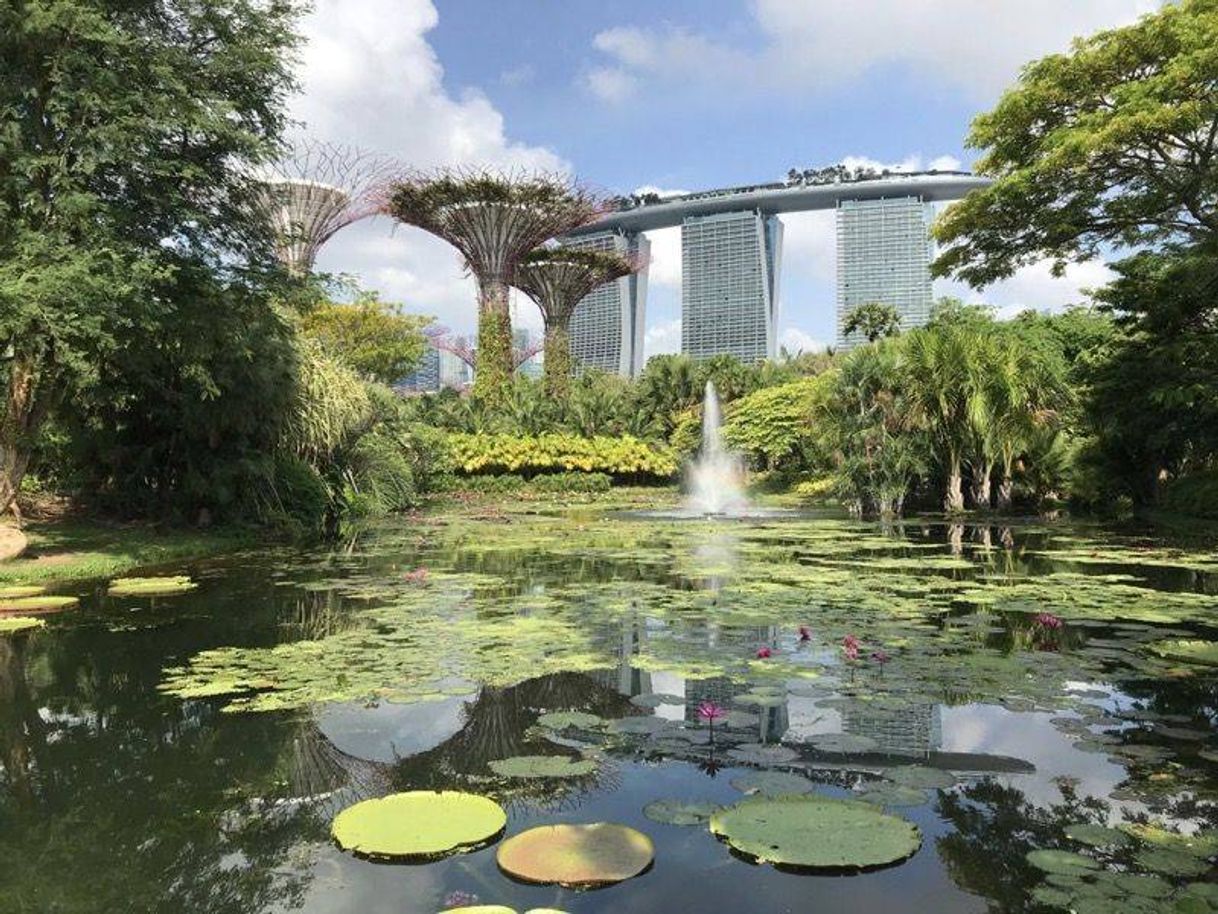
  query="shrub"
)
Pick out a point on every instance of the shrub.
point(534, 454)
point(1195, 495)
point(773, 425)
point(571, 482)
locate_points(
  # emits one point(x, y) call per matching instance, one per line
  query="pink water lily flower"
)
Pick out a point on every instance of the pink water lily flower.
point(764, 653)
point(850, 647)
point(881, 657)
point(1047, 620)
point(805, 633)
point(418, 576)
point(711, 712)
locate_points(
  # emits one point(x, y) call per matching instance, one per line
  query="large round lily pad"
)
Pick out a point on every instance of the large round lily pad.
point(815, 832)
point(576, 856)
point(157, 586)
point(921, 777)
point(562, 720)
point(1066, 863)
point(419, 824)
point(763, 754)
point(37, 603)
point(772, 783)
point(542, 766)
point(1097, 835)
point(678, 812)
point(17, 591)
point(893, 795)
point(1202, 652)
point(14, 625)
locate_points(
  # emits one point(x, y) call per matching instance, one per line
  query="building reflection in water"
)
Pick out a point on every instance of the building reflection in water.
point(914, 731)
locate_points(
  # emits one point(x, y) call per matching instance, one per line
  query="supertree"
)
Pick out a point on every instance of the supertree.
point(441, 338)
point(494, 220)
point(314, 191)
point(558, 279)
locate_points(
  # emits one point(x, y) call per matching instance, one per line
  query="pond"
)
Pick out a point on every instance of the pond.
point(1039, 700)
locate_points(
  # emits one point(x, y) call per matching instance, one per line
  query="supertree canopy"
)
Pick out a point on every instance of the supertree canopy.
point(494, 220)
point(558, 279)
point(315, 191)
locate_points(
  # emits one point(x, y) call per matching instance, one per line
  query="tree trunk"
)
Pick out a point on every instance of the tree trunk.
point(953, 500)
point(493, 373)
point(1005, 492)
point(25, 409)
point(981, 486)
point(557, 371)
point(955, 537)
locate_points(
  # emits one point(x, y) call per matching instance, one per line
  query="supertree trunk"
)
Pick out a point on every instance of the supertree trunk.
point(494, 368)
point(557, 373)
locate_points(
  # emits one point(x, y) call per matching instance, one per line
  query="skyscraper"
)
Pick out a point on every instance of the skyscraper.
point(729, 287)
point(426, 376)
point(607, 326)
point(883, 255)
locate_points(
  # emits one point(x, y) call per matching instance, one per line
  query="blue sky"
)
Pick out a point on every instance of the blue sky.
point(680, 95)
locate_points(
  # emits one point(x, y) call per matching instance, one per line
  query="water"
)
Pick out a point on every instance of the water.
point(118, 795)
point(715, 477)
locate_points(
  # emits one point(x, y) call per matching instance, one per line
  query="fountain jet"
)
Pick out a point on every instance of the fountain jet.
point(716, 475)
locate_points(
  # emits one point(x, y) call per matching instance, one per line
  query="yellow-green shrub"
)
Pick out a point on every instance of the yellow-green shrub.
point(532, 454)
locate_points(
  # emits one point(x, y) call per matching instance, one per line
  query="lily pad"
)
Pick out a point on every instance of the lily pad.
point(1097, 835)
point(893, 795)
point(576, 856)
point(562, 720)
point(155, 586)
point(815, 832)
point(1171, 862)
point(17, 591)
point(45, 602)
point(1063, 862)
point(542, 766)
point(763, 754)
point(643, 726)
point(421, 824)
point(678, 812)
point(1202, 652)
point(14, 625)
point(921, 777)
point(772, 783)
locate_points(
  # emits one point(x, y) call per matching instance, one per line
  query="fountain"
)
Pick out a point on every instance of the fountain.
point(715, 476)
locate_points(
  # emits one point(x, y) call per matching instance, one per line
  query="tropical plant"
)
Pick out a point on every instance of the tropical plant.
point(620, 456)
point(872, 320)
point(494, 220)
point(773, 426)
point(372, 337)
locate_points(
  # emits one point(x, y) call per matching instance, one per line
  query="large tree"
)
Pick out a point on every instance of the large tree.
point(558, 279)
point(126, 135)
point(373, 337)
point(494, 220)
point(1113, 144)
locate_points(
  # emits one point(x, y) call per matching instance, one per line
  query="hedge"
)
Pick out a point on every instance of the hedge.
point(530, 455)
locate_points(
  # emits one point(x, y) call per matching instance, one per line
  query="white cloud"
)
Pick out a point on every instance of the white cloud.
point(370, 78)
point(611, 84)
point(518, 76)
point(1034, 288)
point(796, 341)
point(977, 47)
point(661, 338)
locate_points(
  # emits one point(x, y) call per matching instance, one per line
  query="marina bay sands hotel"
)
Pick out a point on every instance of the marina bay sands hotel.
point(731, 260)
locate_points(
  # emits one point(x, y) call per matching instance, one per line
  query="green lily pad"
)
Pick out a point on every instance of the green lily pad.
point(1142, 886)
point(763, 754)
point(14, 625)
point(576, 856)
point(17, 591)
point(421, 824)
point(1051, 897)
point(1202, 652)
point(678, 812)
point(542, 766)
point(562, 720)
point(642, 726)
point(772, 783)
point(156, 586)
point(1171, 862)
point(921, 777)
point(1097, 835)
point(1199, 844)
point(814, 832)
point(1064, 862)
point(45, 602)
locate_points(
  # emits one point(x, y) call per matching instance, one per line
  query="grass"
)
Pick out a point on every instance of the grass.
point(77, 550)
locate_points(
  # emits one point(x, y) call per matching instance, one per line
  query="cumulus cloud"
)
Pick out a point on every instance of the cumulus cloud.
point(662, 337)
point(370, 78)
point(796, 341)
point(975, 47)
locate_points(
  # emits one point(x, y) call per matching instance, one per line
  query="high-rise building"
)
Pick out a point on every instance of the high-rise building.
point(453, 371)
point(426, 376)
point(883, 255)
point(607, 326)
point(522, 339)
point(730, 265)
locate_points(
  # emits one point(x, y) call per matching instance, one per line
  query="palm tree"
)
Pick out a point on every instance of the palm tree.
point(943, 387)
point(494, 220)
point(874, 320)
point(558, 279)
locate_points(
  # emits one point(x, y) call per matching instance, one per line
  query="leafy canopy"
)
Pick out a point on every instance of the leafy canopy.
point(372, 337)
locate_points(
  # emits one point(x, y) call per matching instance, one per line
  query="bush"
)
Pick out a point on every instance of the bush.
point(534, 454)
point(1195, 495)
point(561, 483)
point(773, 426)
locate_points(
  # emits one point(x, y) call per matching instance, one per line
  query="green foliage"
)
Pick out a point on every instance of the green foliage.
point(873, 321)
point(1111, 143)
point(1195, 495)
point(372, 337)
point(560, 483)
point(620, 457)
point(124, 127)
point(773, 425)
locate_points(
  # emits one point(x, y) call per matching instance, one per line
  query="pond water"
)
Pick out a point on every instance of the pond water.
point(188, 752)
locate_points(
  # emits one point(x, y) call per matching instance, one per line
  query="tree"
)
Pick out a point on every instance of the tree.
point(1112, 144)
point(557, 279)
point(874, 320)
point(494, 220)
point(372, 337)
point(127, 134)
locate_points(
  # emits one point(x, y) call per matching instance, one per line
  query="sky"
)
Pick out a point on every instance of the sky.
point(682, 95)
